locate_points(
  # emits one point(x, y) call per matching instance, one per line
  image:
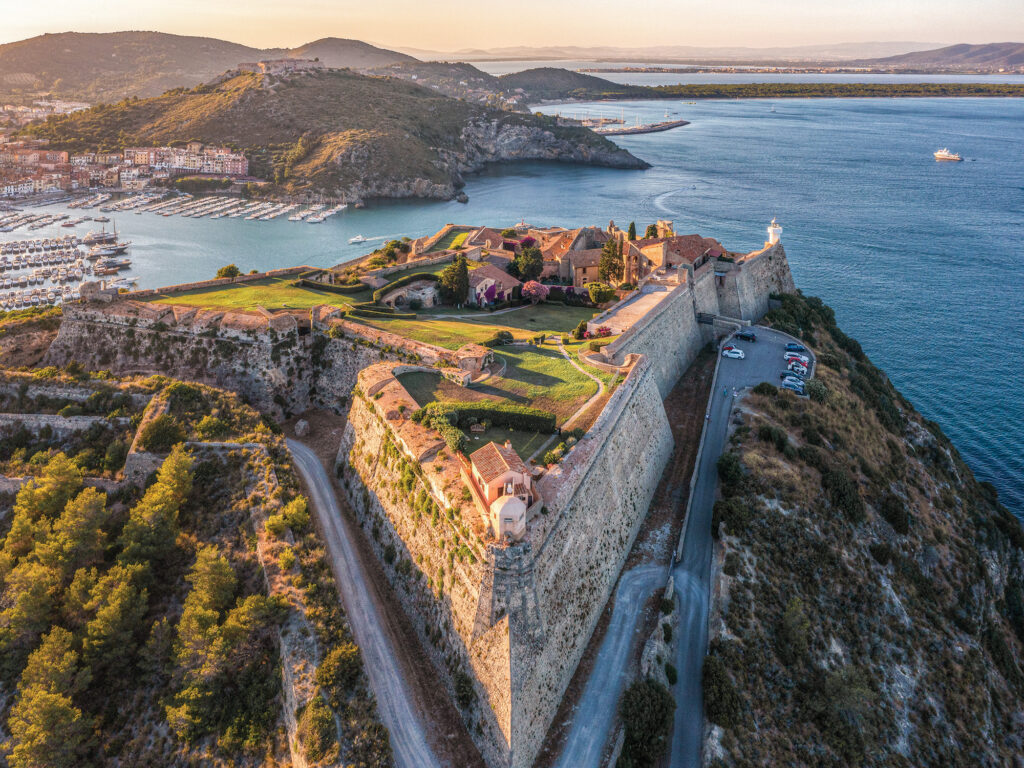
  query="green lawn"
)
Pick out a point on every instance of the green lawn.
point(556, 318)
point(449, 240)
point(272, 293)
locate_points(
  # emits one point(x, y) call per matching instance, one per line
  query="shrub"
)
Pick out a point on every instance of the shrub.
point(772, 434)
point(817, 391)
point(296, 514)
point(462, 414)
point(734, 513)
point(499, 339)
point(600, 292)
point(286, 560)
point(792, 638)
point(465, 695)
point(316, 730)
point(211, 428)
point(730, 472)
point(580, 330)
point(843, 494)
point(597, 346)
point(647, 709)
point(276, 526)
point(228, 271)
point(161, 434)
point(666, 631)
point(339, 672)
point(671, 673)
point(721, 701)
point(765, 388)
point(894, 511)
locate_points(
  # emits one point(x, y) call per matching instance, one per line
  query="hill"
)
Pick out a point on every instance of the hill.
point(987, 57)
point(869, 595)
point(544, 83)
point(115, 65)
point(337, 132)
point(355, 54)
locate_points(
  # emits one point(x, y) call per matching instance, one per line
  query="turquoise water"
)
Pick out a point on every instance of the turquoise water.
point(923, 261)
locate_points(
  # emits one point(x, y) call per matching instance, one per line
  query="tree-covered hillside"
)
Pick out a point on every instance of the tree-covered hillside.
point(172, 624)
point(870, 603)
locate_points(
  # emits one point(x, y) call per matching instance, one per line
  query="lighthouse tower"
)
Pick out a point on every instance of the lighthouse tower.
point(774, 232)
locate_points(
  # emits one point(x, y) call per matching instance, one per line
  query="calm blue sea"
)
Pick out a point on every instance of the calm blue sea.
point(922, 261)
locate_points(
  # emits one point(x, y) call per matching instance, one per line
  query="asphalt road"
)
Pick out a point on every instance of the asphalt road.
point(763, 362)
point(394, 699)
point(592, 718)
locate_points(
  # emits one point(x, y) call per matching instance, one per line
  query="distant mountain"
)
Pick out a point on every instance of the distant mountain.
point(337, 52)
point(336, 132)
point(112, 66)
point(668, 53)
point(990, 56)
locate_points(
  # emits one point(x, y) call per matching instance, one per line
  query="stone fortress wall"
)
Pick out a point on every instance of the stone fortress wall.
point(516, 618)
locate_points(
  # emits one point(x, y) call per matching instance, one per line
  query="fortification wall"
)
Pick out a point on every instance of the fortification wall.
point(59, 426)
point(758, 277)
point(438, 572)
point(267, 365)
point(600, 501)
point(669, 336)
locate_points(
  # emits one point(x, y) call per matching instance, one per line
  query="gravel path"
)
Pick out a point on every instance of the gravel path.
point(394, 699)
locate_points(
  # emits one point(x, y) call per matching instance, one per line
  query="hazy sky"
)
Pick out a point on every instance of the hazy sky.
point(454, 24)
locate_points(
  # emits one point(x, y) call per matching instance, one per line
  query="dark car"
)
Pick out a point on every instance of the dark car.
point(745, 335)
point(792, 375)
point(792, 347)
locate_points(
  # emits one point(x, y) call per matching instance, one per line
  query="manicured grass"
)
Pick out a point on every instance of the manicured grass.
point(556, 318)
point(272, 293)
point(449, 240)
point(541, 377)
point(524, 443)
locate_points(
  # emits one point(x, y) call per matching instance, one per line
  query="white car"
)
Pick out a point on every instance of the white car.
point(791, 356)
point(735, 354)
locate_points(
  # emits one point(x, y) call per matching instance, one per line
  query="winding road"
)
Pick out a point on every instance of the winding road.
point(692, 573)
point(394, 698)
point(592, 718)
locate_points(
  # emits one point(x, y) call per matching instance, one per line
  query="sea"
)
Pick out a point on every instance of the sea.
point(922, 261)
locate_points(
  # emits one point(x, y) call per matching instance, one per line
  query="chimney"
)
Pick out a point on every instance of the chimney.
point(508, 445)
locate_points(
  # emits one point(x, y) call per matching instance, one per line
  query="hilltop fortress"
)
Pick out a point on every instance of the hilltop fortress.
point(505, 612)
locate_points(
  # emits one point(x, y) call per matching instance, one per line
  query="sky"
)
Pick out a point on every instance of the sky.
point(450, 25)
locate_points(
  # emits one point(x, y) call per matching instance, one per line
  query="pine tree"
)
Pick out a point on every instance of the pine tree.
point(652, 231)
point(77, 538)
point(631, 234)
point(454, 281)
point(118, 605)
point(530, 262)
point(610, 266)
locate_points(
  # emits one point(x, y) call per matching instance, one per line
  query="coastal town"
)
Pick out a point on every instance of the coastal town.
point(31, 167)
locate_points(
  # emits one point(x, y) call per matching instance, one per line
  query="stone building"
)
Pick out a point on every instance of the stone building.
point(502, 486)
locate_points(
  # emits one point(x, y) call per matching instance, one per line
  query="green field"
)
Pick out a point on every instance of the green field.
point(454, 237)
point(272, 293)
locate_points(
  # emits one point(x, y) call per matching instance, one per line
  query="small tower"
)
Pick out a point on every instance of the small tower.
point(774, 232)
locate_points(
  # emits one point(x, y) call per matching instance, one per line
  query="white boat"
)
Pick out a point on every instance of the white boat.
point(357, 239)
point(945, 154)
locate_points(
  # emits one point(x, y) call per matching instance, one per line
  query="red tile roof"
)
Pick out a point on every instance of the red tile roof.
point(494, 460)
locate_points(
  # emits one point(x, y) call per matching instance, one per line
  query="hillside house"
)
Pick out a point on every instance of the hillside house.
point(488, 284)
point(502, 485)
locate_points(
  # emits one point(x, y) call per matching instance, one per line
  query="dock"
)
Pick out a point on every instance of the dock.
point(649, 128)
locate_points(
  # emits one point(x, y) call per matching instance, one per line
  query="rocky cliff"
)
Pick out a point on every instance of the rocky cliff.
point(868, 592)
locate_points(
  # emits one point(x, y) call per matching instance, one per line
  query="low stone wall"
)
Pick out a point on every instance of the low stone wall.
point(61, 426)
point(13, 386)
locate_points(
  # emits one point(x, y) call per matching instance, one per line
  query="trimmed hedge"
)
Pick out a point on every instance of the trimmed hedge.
point(344, 289)
point(381, 292)
point(598, 344)
point(462, 415)
point(368, 312)
point(499, 339)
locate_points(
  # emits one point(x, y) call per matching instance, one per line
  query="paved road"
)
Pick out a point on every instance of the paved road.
point(394, 699)
point(592, 718)
point(693, 572)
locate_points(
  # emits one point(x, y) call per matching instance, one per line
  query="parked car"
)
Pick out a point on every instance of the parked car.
point(793, 347)
point(798, 368)
point(745, 335)
point(790, 376)
point(729, 346)
point(798, 388)
point(794, 371)
point(735, 354)
point(791, 356)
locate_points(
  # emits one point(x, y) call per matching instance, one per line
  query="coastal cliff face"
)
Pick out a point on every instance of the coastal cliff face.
point(868, 591)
